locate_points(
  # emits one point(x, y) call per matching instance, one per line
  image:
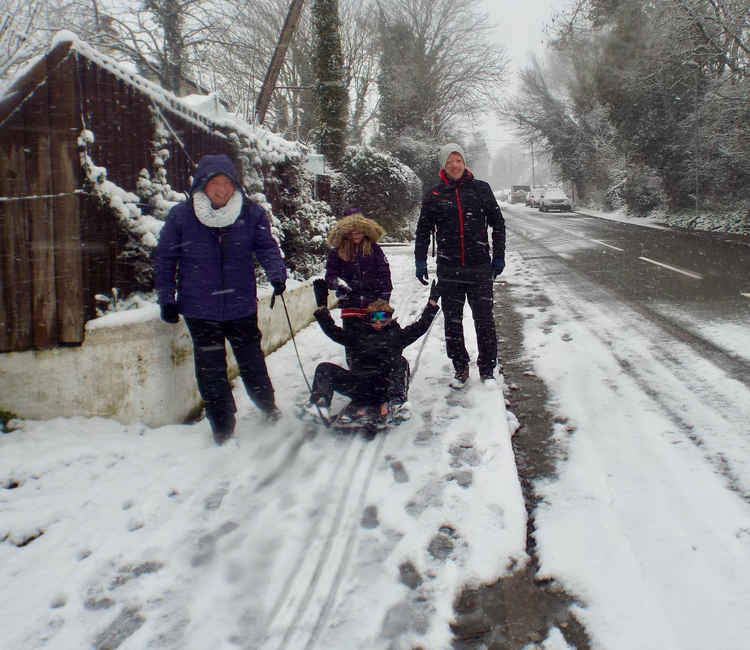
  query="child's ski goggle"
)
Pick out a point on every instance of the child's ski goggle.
point(379, 316)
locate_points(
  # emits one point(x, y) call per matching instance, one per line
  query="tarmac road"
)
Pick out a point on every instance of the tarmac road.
point(682, 288)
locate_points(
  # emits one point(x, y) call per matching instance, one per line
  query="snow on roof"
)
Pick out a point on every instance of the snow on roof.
point(203, 111)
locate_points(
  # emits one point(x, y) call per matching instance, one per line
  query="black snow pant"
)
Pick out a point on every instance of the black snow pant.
point(454, 292)
point(361, 388)
point(211, 364)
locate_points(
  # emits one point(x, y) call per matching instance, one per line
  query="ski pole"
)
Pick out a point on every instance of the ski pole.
point(299, 360)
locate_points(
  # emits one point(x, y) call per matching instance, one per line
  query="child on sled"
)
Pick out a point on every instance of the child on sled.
point(379, 375)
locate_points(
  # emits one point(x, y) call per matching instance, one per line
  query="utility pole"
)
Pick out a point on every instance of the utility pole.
point(272, 74)
point(533, 175)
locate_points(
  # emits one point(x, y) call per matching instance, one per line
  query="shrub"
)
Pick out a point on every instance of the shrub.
point(384, 189)
point(642, 191)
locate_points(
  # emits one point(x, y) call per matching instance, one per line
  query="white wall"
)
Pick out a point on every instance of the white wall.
point(131, 367)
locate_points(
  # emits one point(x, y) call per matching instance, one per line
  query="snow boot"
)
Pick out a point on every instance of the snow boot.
point(460, 378)
point(222, 426)
point(399, 411)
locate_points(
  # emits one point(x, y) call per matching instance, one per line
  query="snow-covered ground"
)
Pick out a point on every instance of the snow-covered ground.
point(294, 537)
point(289, 537)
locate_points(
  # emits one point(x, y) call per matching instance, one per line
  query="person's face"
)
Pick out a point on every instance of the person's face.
point(356, 237)
point(219, 190)
point(455, 166)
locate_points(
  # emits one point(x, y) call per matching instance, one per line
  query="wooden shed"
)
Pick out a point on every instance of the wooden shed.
point(58, 248)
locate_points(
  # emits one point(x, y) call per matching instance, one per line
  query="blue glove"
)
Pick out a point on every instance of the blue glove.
point(422, 271)
point(498, 264)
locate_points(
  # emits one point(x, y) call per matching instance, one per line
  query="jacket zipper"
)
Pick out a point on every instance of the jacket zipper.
point(461, 226)
point(221, 274)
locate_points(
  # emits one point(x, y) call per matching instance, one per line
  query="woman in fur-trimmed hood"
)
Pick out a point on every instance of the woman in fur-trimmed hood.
point(357, 268)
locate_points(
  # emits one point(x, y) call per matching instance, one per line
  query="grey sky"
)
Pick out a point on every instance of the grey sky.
point(520, 29)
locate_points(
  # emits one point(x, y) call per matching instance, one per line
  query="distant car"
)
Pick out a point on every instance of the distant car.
point(532, 198)
point(518, 193)
point(554, 200)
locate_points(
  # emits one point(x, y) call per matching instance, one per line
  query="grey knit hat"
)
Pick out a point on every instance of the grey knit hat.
point(446, 150)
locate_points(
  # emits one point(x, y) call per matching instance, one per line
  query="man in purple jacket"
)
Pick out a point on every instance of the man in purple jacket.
point(204, 269)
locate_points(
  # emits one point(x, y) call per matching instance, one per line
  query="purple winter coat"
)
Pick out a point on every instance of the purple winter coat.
point(369, 277)
point(212, 270)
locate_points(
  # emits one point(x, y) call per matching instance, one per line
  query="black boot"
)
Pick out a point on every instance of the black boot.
point(222, 425)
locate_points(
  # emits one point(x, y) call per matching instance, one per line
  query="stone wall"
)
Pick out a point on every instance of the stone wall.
point(131, 367)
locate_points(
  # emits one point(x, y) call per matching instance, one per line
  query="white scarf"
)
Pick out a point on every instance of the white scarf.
point(217, 217)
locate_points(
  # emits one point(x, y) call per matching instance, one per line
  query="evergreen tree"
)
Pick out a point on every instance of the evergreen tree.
point(330, 86)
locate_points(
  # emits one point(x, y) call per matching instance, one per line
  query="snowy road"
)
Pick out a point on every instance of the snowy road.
point(648, 519)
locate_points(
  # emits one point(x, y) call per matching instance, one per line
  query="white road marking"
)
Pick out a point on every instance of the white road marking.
point(690, 274)
point(598, 241)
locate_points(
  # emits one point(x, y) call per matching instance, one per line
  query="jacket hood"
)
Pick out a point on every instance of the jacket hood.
point(354, 222)
point(212, 165)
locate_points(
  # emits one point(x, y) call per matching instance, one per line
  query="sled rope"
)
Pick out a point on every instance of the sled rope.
point(296, 351)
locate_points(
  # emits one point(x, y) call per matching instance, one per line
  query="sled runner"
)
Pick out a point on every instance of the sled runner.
point(368, 418)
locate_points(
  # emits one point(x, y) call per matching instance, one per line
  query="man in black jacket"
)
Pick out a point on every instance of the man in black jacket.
point(459, 210)
point(379, 374)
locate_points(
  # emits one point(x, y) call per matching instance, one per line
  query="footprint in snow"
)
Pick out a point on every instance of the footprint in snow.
point(400, 474)
point(443, 544)
point(207, 544)
point(213, 500)
point(428, 496)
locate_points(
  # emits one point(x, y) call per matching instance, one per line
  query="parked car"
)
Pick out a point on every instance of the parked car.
point(554, 200)
point(518, 193)
point(532, 198)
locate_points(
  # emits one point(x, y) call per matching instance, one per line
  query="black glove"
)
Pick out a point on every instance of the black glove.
point(434, 291)
point(321, 292)
point(279, 286)
point(169, 313)
point(422, 271)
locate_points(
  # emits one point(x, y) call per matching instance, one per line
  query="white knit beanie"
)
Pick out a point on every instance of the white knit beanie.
point(446, 150)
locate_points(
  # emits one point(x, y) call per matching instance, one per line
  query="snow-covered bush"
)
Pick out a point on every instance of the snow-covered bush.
point(305, 222)
point(154, 188)
point(305, 238)
point(384, 189)
point(418, 155)
point(139, 231)
point(642, 191)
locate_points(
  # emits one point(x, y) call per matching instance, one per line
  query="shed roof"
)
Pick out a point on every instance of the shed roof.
point(65, 45)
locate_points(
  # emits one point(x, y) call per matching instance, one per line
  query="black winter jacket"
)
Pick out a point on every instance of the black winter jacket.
point(460, 211)
point(375, 352)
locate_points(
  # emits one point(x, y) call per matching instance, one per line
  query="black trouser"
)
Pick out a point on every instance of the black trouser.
point(361, 388)
point(453, 293)
point(211, 363)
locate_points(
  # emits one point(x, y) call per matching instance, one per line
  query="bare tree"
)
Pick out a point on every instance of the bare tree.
point(454, 57)
point(20, 36)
